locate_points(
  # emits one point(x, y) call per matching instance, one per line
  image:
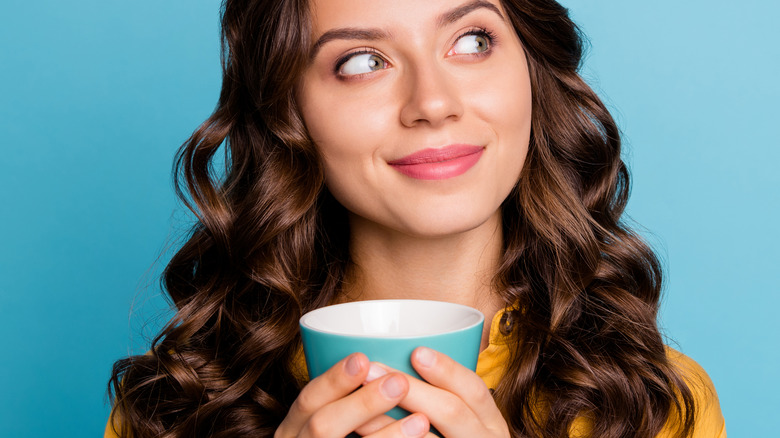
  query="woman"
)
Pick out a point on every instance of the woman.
point(444, 150)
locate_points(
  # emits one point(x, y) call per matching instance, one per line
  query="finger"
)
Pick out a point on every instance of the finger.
point(375, 371)
point(447, 411)
point(374, 425)
point(441, 371)
point(413, 426)
point(341, 379)
point(344, 415)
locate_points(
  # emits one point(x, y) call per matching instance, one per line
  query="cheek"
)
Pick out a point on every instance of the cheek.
point(349, 139)
point(507, 104)
point(511, 98)
point(501, 93)
point(346, 128)
point(356, 189)
point(347, 167)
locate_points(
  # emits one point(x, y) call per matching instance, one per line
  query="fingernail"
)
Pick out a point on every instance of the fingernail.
point(413, 426)
point(393, 387)
point(375, 372)
point(426, 356)
point(353, 366)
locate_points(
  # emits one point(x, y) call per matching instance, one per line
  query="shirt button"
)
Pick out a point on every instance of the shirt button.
point(506, 323)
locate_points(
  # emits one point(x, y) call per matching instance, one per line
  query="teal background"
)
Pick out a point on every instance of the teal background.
point(95, 96)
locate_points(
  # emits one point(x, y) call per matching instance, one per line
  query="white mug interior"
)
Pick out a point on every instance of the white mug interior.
point(392, 318)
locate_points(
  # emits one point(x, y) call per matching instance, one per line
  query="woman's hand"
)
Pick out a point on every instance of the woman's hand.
point(334, 404)
point(455, 399)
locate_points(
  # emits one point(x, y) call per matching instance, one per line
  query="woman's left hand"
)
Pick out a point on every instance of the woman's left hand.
point(454, 398)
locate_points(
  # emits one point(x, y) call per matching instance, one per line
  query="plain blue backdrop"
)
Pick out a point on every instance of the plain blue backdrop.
point(95, 97)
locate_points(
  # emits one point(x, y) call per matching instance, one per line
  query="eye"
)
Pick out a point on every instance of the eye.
point(473, 42)
point(361, 63)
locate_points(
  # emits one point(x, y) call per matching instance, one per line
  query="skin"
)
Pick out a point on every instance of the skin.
point(431, 78)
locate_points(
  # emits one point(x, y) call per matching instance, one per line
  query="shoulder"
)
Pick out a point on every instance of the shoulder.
point(709, 418)
point(110, 432)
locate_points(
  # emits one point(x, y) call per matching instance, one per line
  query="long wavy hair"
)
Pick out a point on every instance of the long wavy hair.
point(270, 244)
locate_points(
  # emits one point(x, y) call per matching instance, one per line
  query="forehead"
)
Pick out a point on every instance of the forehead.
point(329, 14)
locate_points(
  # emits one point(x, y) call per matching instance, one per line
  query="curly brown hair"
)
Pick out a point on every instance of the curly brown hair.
point(270, 244)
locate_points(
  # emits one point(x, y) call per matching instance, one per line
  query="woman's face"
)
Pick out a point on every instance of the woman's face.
point(421, 110)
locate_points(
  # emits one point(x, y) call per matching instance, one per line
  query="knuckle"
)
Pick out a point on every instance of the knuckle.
point(480, 391)
point(318, 425)
point(452, 409)
point(334, 379)
point(375, 425)
point(305, 403)
point(371, 402)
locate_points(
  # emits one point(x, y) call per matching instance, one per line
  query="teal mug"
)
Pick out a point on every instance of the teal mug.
point(387, 331)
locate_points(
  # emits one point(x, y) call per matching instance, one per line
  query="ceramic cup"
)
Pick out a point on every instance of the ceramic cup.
point(387, 331)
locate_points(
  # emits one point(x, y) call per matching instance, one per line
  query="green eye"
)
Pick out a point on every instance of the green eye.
point(362, 63)
point(471, 43)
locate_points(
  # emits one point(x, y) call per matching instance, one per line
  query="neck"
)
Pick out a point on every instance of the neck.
point(457, 268)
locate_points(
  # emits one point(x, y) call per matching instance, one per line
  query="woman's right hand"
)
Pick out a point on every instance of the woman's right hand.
point(334, 404)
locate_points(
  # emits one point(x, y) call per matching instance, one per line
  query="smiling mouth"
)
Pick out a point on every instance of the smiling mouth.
point(436, 164)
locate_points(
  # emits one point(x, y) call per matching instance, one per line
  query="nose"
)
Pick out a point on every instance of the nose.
point(432, 97)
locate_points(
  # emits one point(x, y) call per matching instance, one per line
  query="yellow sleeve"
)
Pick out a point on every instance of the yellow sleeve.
point(709, 418)
point(709, 422)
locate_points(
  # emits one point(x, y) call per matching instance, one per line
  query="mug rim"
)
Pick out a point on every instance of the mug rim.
point(304, 323)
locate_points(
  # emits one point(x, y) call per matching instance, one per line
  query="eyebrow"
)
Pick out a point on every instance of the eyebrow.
point(347, 33)
point(463, 10)
point(352, 33)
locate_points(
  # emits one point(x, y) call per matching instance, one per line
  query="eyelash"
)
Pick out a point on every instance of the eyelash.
point(491, 37)
point(362, 51)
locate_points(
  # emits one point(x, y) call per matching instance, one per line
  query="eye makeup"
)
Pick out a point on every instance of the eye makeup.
point(361, 51)
point(489, 40)
point(488, 36)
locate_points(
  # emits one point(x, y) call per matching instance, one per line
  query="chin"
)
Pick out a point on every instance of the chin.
point(444, 224)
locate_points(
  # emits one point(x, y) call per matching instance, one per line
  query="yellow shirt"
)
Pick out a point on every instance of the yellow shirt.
point(709, 419)
point(490, 366)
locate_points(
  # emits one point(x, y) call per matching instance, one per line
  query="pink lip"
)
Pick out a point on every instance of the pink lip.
point(444, 163)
